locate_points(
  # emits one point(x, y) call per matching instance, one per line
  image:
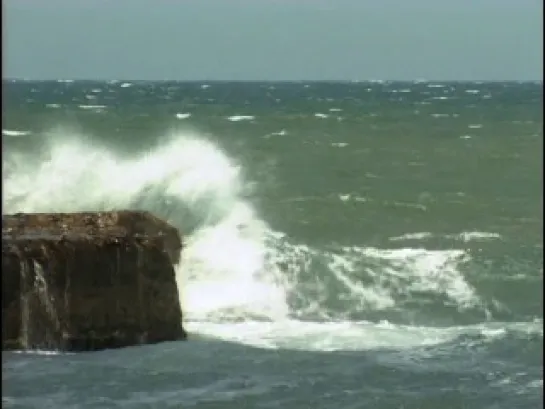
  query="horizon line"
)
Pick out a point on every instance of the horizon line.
point(203, 80)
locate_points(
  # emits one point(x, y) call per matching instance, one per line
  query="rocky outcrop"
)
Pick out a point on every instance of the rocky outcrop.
point(87, 281)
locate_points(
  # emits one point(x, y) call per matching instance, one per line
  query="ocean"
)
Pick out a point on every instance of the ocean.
point(347, 245)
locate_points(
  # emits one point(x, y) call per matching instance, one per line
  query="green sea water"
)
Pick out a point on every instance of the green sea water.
point(348, 245)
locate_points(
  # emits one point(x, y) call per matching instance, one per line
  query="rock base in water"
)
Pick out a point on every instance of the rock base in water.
point(88, 281)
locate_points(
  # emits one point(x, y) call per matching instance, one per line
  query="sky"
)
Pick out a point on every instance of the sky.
point(273, 39)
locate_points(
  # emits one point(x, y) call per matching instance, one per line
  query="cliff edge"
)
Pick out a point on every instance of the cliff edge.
point(88, 281)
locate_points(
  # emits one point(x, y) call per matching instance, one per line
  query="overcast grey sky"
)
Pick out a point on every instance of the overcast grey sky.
point(273, 39)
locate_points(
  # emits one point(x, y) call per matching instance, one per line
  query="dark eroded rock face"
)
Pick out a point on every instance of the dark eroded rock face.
point(89, 281)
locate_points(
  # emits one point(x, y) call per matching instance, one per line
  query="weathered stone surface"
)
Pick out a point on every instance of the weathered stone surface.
point(122, 223)
point(88, 281)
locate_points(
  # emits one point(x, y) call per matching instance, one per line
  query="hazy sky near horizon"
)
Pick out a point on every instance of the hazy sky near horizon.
point(273, 39)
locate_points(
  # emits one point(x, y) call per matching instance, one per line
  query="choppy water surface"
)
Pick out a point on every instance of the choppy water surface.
point(356, 245)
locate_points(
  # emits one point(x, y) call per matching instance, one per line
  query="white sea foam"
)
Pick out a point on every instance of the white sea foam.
point(42, 352)
point(238, 278)
point(320, 115)
point(349, 335)
point(93, 107)
point(412, 236)
point(183, 115)
point(476, 235)
point(14, 132)
point(464, 236)
point(282, 132)
point(238, 118)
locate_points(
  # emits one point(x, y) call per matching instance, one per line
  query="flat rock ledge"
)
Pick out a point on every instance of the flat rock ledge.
point(89, 281)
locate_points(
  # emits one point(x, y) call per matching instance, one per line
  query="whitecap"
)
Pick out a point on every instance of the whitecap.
point(282, 132)
point(14, 132)
point(412, 236)
point(238, 118)
point(475, 235)
point(93, 107)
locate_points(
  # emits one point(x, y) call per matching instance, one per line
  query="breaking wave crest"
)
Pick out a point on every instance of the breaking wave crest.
point(235, 270)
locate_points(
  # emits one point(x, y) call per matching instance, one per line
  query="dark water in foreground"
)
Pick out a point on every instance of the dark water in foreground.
point(358, 245)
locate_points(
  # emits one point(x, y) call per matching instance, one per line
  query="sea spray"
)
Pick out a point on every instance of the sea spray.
point(234, 268)
point(182, 180)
